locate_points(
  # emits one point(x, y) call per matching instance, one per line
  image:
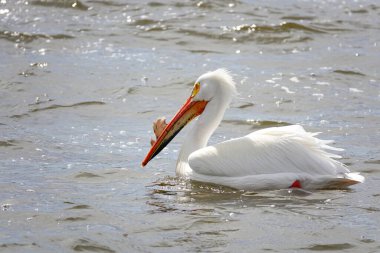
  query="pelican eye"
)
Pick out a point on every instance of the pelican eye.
point(197, 87)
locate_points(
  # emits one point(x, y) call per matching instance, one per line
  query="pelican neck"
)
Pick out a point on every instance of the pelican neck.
point(201, 132)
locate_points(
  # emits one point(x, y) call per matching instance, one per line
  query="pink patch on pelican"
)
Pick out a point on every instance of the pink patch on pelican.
point(296, 184)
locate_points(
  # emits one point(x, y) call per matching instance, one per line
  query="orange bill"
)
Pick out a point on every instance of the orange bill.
point(188, 111)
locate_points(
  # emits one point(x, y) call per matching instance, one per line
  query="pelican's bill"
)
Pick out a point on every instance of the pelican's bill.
point(188, 111)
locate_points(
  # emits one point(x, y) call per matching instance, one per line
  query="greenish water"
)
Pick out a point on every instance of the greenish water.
point(82, 81)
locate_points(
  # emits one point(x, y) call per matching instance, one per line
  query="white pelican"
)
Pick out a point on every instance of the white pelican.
point(271, 158)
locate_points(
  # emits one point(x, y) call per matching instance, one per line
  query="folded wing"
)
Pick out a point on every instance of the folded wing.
point(288, 149)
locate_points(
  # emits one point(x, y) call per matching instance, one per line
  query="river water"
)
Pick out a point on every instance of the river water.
point(82, 81)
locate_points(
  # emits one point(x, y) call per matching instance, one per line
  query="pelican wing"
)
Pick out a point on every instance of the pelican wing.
point(288, 151)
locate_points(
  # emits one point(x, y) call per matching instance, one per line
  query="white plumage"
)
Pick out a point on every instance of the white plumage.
point(271, 158)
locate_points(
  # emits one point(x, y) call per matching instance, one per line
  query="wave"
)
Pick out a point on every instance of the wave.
point(52, 107)
point(75, 4)
point(18, 37)
point(55, 106)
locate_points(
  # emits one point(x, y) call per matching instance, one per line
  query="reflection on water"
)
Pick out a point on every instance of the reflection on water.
point(81, 82)
point(169, 190)
point(216, 212)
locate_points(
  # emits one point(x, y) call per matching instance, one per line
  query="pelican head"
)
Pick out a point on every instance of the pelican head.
point(216, 84)
point(213, 88)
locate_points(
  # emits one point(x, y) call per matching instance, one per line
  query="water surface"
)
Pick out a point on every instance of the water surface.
point(81, 82)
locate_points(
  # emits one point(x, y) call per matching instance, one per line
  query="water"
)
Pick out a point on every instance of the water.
point(82, 81)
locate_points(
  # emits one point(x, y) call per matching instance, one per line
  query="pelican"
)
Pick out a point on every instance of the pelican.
point(267, 159)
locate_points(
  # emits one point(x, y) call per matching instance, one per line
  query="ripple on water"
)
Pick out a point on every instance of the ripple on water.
point(373, 162)
point(296, 17)
point(348, 72)
point(92, 246)
point(80, 207)
point(7, 143)
point(75, 4)
point(106, 3)
point(282, 27)
point(24, 37)
point(14, 246)
point(87, 175)
point(329, 247)
point(74, 219)
point(286, 32)
point(245, 105)
point(52, 107)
